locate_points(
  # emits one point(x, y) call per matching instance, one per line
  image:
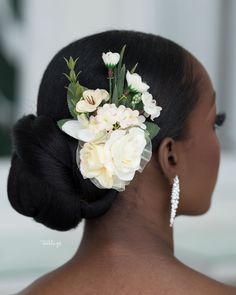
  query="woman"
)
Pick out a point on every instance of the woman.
point(127, 244)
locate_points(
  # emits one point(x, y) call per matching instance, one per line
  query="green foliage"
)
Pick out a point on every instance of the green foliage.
point(121, 80)
point(139, 106)
point(74, 89)
point(134, 68)
point(121, 57)
point(120, 94)
point(152, 129)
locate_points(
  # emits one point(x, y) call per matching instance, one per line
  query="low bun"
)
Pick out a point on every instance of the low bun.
point(44, 181)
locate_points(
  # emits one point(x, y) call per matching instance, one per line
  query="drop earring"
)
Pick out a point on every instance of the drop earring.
point(174, 199)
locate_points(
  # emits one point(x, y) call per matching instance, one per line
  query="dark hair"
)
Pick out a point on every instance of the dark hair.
point(44, 181)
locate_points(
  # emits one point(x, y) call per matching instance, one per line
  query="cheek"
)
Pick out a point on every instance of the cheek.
point(200, 174)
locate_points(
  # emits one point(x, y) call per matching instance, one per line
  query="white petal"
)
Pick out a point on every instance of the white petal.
point(84, 106)
point(86, 134)
point(88, 92)
point(135, 81)
point(75, 129)
point(102, 94)
point(111, 58)
point(71, 128)
point(146, 97)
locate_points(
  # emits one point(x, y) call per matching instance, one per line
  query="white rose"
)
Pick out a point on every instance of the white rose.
point(123, 150)
point(91, 100)
point(92, 164)
point(150, 106)
point(110, 59)
point(135, 82)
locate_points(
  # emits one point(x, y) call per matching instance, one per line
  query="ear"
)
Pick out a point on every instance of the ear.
point(168, 158)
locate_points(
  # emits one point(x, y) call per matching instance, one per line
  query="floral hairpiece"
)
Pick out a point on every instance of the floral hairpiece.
point(114, 136)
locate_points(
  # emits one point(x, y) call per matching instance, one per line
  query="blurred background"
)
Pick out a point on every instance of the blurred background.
point(31, 32)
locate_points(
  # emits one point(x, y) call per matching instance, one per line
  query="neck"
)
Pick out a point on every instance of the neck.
point(130, 227)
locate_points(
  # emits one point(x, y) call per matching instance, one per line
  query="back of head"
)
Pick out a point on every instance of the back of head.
point(44, 181)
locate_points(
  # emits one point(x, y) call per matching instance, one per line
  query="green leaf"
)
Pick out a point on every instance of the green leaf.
point(139, 106)
point(134, 68)
point(67, 62)
point(71, 91)
point(67, 76)
point(120, 81)
point(70, 94)
point(115, 95)
point(128, 102)
point(62, 122)
point(71, 107)
point(121, 57)
point(75, 91)
point(79, 91)
point(71, 62)
point(152, 128)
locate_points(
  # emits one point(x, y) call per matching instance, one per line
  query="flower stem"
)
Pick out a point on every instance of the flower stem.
point(110, 76)
point(110, 86)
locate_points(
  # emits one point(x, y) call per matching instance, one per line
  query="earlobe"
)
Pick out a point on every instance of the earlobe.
point(167, 157)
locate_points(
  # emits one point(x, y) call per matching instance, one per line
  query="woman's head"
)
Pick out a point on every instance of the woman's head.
point(44, 181)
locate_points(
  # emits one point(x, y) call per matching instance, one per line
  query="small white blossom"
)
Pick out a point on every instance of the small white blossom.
point(141, 120)
point(110, 59)
point(110, 114)
point(150, 106)
point(135, 82)
point(91, 100)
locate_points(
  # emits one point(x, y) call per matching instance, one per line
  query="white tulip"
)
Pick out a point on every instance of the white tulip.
point(91, 100)
point(150, 106)
point(135, 82)
point(110, 59)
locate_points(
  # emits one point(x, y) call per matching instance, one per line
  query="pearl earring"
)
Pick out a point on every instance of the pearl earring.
point(174, 199)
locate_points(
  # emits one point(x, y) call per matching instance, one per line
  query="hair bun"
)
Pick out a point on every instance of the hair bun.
point(44, 181)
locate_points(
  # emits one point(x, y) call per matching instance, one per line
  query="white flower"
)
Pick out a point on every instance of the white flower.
point(135, 82)
point(81, 129)
point(123, 151)
point(106, 116)
point(109, 114)
point(150, 106)
point(111, 160)
point(91, 100)
point(92, 163)
point(127, 117)
point(141, 119)
point(111, 59)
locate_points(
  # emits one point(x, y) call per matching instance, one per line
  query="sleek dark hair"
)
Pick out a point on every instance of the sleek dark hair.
point(44, 181)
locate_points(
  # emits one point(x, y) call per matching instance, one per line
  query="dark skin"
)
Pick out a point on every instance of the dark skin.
point(129, 250)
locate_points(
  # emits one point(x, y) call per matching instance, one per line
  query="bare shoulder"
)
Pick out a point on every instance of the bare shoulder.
point(149, 276)
point(191, 282)
point(53, 282)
